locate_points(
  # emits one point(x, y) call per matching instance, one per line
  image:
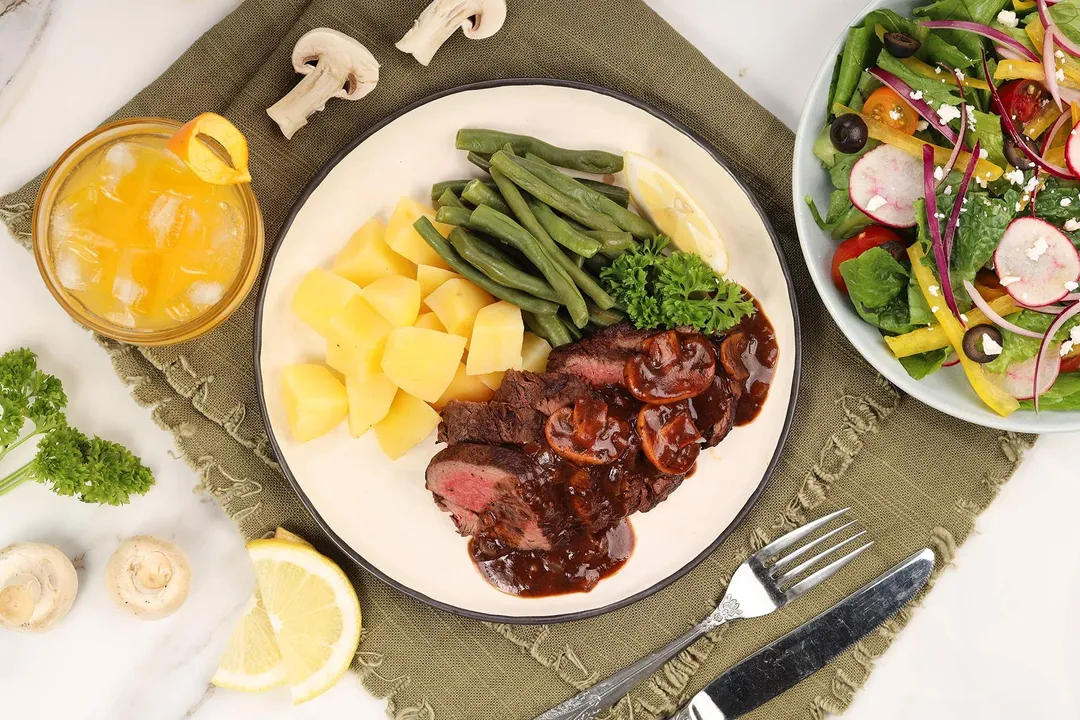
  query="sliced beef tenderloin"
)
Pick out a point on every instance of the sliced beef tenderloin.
point(512, 498)
point(493, 423)
point(545, 392)
point(601, 359)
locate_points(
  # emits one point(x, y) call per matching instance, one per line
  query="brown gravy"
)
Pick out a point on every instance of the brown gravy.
point(759, 358)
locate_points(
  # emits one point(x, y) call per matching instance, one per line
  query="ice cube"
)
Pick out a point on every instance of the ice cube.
point(165, 218)
point(131, 272)
point(127, 291)
point(204, 294)
point(74, 212)
point(118, 161)
point(77, 265)
point(121, 317)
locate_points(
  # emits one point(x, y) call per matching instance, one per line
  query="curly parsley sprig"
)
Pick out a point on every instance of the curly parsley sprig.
point(677, 289)
point(67, 461)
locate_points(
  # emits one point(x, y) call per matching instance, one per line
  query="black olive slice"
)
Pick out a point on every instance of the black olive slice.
point(980, 338)
point(900, 45)
point(848, 133)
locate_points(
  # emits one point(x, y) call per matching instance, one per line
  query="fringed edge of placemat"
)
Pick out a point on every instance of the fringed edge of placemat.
point(17, 219)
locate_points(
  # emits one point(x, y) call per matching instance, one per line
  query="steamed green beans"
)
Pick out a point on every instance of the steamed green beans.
point(617, 194)
point(613, 244)
point(450, 200)
point(604, 317)
point(440, 245)
point(480, 161)
point(481, 256)
point(491, 141)
point(450, 215)
point(562, 233)
point(563, 183)
point(504, 228)
point(548, 327)
point(456, 186)
point(478, 193)
point(546, 194)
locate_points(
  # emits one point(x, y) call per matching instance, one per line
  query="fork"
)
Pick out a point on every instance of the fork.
point(763, 583)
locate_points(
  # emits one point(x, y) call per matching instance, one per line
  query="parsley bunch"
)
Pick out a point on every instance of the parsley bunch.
point(659, 289)
point(67, 461)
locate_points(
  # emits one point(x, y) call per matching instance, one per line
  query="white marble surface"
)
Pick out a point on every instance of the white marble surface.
point(996, 640)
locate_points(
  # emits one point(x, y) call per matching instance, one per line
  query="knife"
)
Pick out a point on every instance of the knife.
point(809, 647)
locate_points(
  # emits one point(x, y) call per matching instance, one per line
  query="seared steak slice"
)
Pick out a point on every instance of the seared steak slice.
point(511, 497)
point(601, 359)
point(494, 423)
point(546, 392)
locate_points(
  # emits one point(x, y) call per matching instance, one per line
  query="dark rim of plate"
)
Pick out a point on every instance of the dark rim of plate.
point(353, 554)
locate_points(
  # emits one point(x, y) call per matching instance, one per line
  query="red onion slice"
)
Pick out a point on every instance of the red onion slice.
point(954, 216)
point(993, 316)
point(1054, 130)
point(1001, 38)
point(1050, 67)
point(955, 154)
point(1048, 340)
point(921, 106)
point(1052, 29)
point(936, 241)
point(1008, 53)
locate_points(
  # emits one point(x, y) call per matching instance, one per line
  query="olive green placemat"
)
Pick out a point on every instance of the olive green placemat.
point(913, 476)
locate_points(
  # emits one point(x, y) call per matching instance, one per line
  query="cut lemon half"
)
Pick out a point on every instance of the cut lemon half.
point(670, 208)
point(313, 611)
point(252, 661)
point(201, 157)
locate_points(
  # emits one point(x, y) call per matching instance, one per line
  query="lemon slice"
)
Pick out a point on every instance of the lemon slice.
point(671, 209)
point(313, 610)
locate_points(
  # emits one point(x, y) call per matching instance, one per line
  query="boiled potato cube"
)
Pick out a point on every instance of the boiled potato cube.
point(315, 400)
point(356, 338)
point(396, 298)
point(456, 302)
point(422, 362)
point(534, 353)
point(431, 278)
point(360, 362)
point(367, 257)
point(496, 339)
point(369, 401)
point(402, 237)
point(406, 425)
point(492, 380)
point(321, 295)
point(430, 321)
point(464, 387)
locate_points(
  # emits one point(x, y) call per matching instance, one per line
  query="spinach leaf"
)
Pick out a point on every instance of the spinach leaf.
point(921, 365)
point(934, 48)
point(892, 317)
point(1066, 15)
point(867, 84)
point(933, 90)
point(843, 219)
point(874, 278)
point(1049, 202)
point(986, 129)
point(840, 172)
point(859, 49)
point(980, 11)
point(832, 87)
point(982, 223)
point(1064, 395)
point(918, 311)
point(823, 148)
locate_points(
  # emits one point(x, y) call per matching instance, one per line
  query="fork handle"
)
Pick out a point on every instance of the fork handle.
point(590, 703)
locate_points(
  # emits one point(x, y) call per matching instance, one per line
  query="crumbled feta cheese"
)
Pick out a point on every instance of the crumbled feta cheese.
point(970, 115)
point(915, 95)
point(1031, 184)
point(895, 114)
point(934, 290)
point(1059, 55)
point(922, 124)
point(983, 154)
point(948, 113)
point(1008, 280)
point(1007, 18)
point(937, 70)
point(1038, 249)
point(1071, 285)
point(876, 203)
point(935, 309)
point(1065, 202)
point(1060, 75)
point(948, 190)
point(1072, 225)
point(980, 181)
point(1016, 177)
point(939, 216)
point(990, 346)
point(939, 172)
point(963, 318)
point(1073, 341)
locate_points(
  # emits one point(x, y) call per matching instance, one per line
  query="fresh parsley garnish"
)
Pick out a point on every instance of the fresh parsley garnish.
point(67, 461)
point(677, 289)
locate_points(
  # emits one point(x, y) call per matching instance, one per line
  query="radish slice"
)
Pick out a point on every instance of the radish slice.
point(1041, 257)
point(1049, 357)
point(1052, 29)
point(1019, 378)
point(1050, 67)
point(885, 183)
point(920, 106)
point(992, 315)
point(1072, 150)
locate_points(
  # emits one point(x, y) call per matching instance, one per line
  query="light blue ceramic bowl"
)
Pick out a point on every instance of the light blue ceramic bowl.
point(946, 390)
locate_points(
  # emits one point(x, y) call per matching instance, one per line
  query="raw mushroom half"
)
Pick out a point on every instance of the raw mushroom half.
point(478, 19)
point(335, 66)
point(148, 577)
point(37, 586)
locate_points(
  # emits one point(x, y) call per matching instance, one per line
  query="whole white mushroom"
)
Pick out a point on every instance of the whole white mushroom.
point(38, 584)
point(148, 577)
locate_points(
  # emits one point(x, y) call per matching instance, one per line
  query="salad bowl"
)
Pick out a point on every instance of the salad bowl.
point(946, 390)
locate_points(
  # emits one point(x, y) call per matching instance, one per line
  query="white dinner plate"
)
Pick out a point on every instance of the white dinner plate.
point(377, 510)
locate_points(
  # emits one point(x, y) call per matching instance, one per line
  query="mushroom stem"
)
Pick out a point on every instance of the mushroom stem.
point(308, 97)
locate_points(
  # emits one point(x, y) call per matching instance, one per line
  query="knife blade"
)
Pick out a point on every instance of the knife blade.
point(809, 647)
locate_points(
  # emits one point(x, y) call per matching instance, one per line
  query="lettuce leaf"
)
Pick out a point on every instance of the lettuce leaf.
point(980, 11)
point(1064, 395)
point(877, 286)
point(923, 364)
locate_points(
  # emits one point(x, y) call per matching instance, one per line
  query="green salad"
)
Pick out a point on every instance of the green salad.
point(956, 204)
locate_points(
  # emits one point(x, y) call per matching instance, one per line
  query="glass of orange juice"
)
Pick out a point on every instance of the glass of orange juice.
point(135, 246)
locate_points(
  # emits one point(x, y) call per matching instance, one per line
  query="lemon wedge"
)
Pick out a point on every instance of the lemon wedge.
point(313, 612)
point(666, 204)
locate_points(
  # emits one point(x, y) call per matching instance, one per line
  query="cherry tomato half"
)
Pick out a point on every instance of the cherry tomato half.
point(855, 246)
point(1022, 99)
point(886, 106)
point(1070, 363)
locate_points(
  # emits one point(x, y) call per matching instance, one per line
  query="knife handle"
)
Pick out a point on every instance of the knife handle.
point(590, 703)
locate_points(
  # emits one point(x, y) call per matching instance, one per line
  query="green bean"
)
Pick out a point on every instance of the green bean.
point(462, 218)
point(548, 327)
point(546, 194)
point(478, 254)
point(490, 141)
point(480, 161)
point(562, 233)
point(450, 215)
point(449, 200)
point(457, 186)
point(597, 263)
point(575, 333)
point(617, 194)
point(578, 260)
point(501, 227)
point(563, 183)
point(440, 245)
point(613, 244)
point(478, 194)
point(604, 317)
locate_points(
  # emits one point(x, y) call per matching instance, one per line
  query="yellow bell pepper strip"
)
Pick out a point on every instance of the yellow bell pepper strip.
point(1023, 5)
point(1055, 156)
point(1027, 70)
point(984, 169)
point(1042, 120)
point(1075, 114)
point(932, 338)
point(929, 71)
point(997, 399)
